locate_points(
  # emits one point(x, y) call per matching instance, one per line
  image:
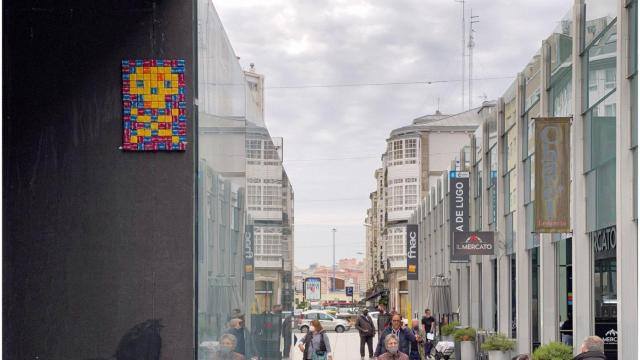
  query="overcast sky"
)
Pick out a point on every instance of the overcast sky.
point(334, 136)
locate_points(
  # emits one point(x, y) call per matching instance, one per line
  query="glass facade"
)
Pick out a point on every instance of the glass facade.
point(245, 208)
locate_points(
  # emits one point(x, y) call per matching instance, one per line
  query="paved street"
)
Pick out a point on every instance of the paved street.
point(345, 346)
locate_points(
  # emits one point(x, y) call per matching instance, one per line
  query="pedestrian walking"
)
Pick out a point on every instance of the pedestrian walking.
point(429, 326)
point(392, 346)
point(417, 345)
point(367, 331)
point(226, 349)
point(592, 348)
point(315, 345)
point(384, 318)
point(404, 335)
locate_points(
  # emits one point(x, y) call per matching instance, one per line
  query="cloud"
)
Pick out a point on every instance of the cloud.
point(302, 42)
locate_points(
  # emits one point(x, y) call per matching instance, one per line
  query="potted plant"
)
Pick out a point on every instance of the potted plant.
point(498, 347)
point(448, 330)
point(553, 351)
point(466, 337)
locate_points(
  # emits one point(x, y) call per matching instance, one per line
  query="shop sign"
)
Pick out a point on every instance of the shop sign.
point(608, 331)
point(312, 289)
point(473, 243)
point(249, 245)
point(412, 252)
point(349, 290)
point(458, 208)
point(604, 243)
point(552, 174)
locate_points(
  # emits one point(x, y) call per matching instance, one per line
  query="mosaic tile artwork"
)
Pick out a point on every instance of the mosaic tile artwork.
point(153, 98)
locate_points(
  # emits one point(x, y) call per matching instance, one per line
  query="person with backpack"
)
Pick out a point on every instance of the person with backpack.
point(315, 345)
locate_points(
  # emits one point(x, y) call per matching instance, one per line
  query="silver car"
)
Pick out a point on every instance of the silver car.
point(327, 321)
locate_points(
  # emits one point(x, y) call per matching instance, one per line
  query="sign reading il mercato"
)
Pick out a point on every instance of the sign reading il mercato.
point(412, 252)
point(248, 247)
point(552, 175)
point(458, 207)
point(473, 243)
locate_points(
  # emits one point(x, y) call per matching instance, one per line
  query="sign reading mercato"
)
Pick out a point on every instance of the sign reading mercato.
point(412, 252)
point(458, 208)
point(473, 243)
point(249, 245)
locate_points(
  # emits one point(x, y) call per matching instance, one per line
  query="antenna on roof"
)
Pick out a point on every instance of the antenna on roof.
point(471, 45)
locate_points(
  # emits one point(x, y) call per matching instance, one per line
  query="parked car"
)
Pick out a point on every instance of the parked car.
point(374, 317)
point(328, 322)
point(331, 310)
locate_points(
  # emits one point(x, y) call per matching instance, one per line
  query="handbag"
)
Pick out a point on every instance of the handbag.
point(319, 355)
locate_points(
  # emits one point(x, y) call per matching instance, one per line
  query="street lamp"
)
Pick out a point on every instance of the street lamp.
point(333, 279)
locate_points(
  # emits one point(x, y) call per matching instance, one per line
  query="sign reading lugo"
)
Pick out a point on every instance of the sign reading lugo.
point(552, 174)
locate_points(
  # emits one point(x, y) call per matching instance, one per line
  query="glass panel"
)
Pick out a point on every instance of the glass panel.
point(513, 195)
point(590, 200)
point(605, 290)
point(561, 95)
point(533, 77)
point(527, 181)
point(599, 14)
point(605, 194)
point(601, 67)
point(603, 131)
point(635, 183)
point(633, 37)
point(510, 149)
point(507, 207)
point(533, 239)
point(634, 111)
point(510, 233)
point(561, 44)
point(535, 297)
point(565, 290)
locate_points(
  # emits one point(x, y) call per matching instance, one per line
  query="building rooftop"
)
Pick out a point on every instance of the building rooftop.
point(464, 121)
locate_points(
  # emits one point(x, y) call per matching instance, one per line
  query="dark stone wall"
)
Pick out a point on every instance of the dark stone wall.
point(95, 240)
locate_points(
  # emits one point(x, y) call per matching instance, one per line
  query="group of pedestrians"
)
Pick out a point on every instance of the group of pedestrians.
point(396, 341)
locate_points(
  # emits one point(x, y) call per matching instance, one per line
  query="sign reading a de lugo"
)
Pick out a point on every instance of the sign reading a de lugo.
point(552, 174)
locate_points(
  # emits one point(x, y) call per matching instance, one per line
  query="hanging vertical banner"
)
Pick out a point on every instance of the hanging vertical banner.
point(458, 208)
point(249, 245)
point(412, 252)
point(552, 175)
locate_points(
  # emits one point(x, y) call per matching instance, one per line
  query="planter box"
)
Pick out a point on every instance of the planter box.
point(499, 355)
point(467, 350)
point(447, 338)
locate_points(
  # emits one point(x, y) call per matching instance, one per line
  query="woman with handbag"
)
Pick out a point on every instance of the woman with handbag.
point(315, 345)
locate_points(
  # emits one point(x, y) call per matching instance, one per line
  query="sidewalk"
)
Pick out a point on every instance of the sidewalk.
point(345, 346)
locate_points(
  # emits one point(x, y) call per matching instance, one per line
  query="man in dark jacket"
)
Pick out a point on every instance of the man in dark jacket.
point(365, 327)
point(405, 335)
point(592, 348)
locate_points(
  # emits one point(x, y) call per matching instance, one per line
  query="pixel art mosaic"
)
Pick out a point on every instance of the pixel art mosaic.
point(153, 98)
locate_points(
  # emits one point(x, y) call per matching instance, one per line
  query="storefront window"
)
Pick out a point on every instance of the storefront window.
point(565, 290)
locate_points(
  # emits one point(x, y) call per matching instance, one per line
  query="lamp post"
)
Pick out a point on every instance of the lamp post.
point(333, 279)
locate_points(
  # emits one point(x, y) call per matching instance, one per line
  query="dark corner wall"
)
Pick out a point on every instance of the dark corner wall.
point(98, 243)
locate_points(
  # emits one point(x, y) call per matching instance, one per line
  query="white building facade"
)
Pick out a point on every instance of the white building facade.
point(587, 70)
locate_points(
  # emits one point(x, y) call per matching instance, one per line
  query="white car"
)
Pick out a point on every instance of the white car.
point(327, 321)
point(374, 317)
